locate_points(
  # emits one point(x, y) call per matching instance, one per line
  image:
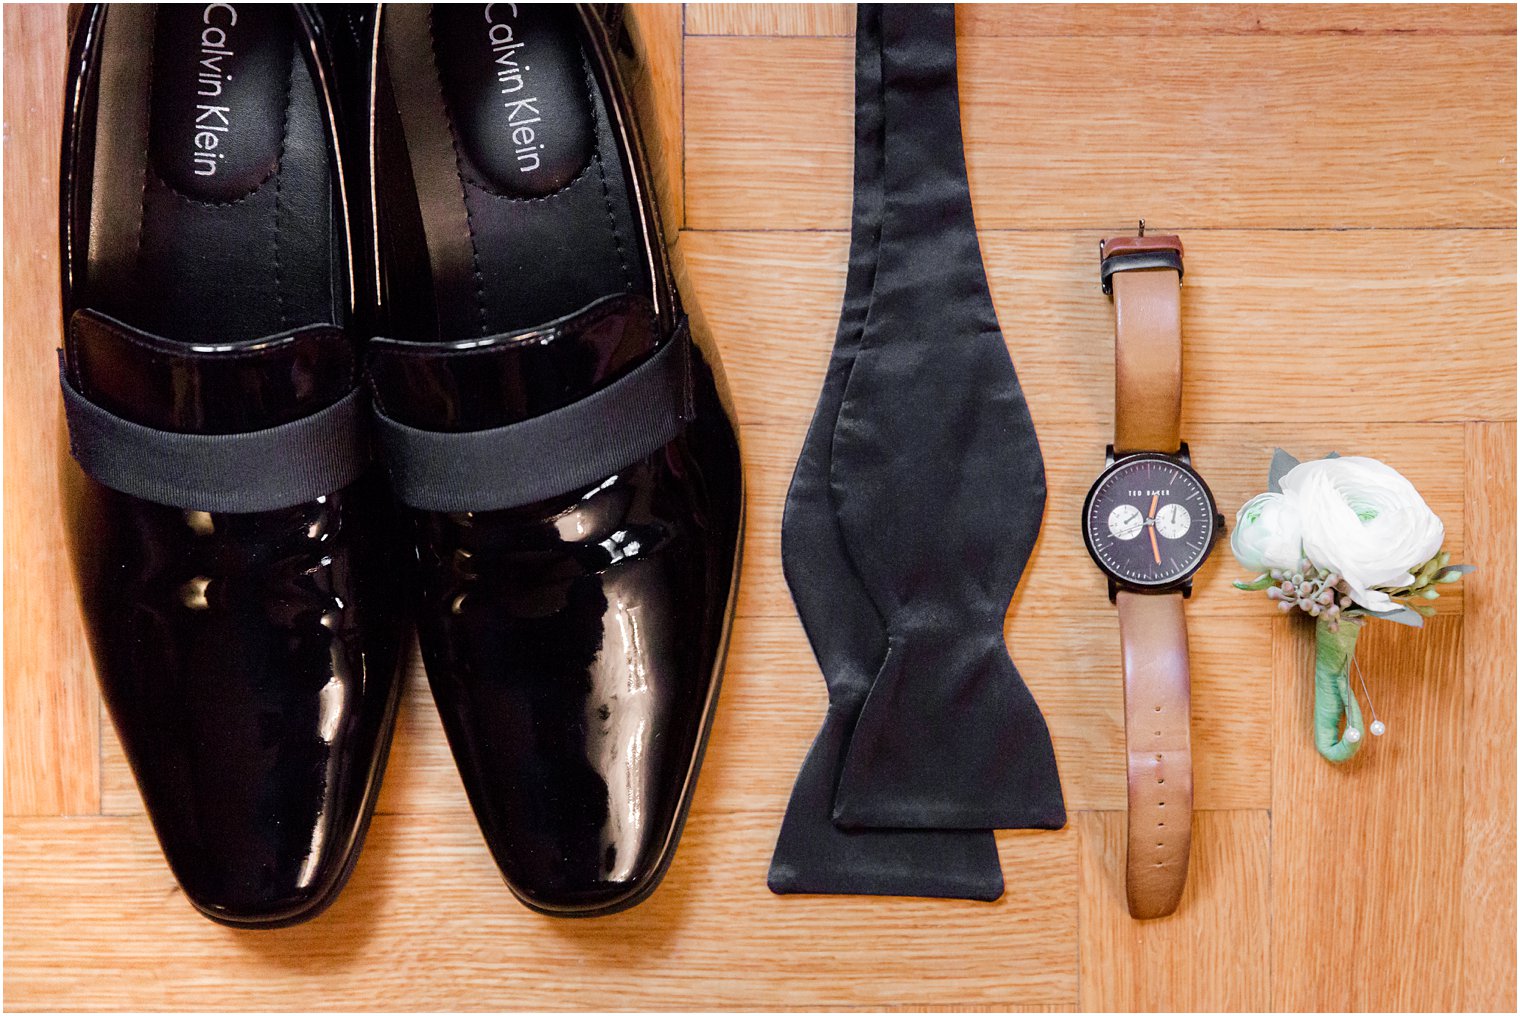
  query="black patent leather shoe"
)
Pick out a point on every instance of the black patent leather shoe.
point(233, 546)
point(566, 452)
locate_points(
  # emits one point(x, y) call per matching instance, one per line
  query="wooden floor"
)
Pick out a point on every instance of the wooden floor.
point(1344, 180)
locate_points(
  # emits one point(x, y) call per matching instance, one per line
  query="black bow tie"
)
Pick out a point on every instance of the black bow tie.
point(913, 509)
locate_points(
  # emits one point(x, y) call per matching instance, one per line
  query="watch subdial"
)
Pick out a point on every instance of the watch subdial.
point(1173, 521)
point(1125, 522)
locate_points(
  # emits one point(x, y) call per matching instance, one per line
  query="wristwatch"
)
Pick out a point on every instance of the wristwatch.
point(1149, 522)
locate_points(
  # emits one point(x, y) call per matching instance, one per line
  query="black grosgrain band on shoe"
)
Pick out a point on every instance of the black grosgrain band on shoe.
point(255, 471)
point(546, 455)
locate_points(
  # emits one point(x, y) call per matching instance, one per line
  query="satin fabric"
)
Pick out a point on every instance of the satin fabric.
point(913, 510)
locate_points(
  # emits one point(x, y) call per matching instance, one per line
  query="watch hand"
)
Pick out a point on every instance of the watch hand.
point(1154, 499)
point(1155, 547)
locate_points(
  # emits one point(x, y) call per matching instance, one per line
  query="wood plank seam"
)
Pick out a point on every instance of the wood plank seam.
point(1077, 227)
point(1042, 21)
point(682, 224)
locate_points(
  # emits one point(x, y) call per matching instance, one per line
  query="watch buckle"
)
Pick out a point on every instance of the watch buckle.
point(1135, 253)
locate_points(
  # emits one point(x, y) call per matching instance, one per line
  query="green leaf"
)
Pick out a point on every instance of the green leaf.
point(1454, 572)
point(1261, 581)
point(1424, 610)
point(1282, 462)
point(1403, 615)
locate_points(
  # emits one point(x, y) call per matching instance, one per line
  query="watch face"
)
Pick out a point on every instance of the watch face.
point(1149, 521)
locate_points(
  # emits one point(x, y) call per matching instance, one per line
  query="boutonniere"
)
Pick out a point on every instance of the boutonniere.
point(1342, 539)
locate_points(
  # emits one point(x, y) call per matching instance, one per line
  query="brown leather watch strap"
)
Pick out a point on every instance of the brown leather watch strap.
point(1157, 706)
point(1147, 345)
point(1144, 274)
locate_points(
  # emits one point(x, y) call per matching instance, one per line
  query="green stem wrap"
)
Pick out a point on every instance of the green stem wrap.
point(1333, 698)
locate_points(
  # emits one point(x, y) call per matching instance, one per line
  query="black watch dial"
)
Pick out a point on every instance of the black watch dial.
point(1149, 521)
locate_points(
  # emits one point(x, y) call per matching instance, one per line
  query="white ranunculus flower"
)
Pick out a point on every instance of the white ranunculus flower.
point(1267, 534)
point(1364, 521)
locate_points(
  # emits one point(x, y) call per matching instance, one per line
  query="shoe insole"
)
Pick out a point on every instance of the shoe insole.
point(524, 200)
point(211, 216)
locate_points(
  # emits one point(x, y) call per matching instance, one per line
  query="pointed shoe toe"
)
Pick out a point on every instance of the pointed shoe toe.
point(250, 667)
point(574, 649)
